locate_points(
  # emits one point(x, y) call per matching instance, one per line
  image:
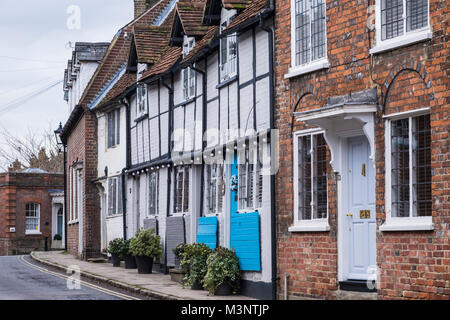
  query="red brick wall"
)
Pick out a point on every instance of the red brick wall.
point(412, 264)
point(16, 190)
point(82, 147)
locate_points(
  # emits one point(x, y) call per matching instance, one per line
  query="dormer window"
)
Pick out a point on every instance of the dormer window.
point(188, 73)
point(228, 49)
point(142, 102)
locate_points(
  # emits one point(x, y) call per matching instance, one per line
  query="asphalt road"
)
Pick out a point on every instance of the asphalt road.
point(23, 279)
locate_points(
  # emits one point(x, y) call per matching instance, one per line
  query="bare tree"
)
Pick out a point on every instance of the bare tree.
point(34, 150)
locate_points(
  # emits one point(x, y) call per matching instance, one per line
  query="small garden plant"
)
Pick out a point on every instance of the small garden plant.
point(117, 247)
point(222, 269)
point(194, 262)
point(146, 244)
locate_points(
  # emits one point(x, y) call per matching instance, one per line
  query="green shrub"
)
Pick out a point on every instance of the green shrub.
point(222, 268)
point(194, 262)
point(179, 250)
point(57, 237)
point(146, 244)
point(117, 247)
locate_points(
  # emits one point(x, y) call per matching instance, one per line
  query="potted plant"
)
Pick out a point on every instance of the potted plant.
point(145, 247)
point(57, 242)
point(116, 249)
point(179, 252)
point(223, 273)
point(130, 261)
point(194, 262)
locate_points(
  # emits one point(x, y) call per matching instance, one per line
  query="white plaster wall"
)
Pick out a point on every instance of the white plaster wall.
point(114, 158)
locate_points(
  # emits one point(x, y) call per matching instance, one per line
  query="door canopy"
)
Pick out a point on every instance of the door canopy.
point(342, 117)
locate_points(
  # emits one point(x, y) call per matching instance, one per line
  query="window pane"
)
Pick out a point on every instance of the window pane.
point(422, 166)
point(302, 32)
point(32, 217)
point(416, 14)
point(318, 29)
point(320, 177)
point(304, 178)
point(400, 167)
point(250, 179)
point(119, 195)
point(186, 190)
point(242, 180)
point(391, 19)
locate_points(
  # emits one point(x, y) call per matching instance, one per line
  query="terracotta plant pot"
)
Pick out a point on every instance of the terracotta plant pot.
point(115, 260)
point(130, 262)
point(144, 265)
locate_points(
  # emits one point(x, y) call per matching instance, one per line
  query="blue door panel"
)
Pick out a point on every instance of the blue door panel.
point(245, 240)
point(207, 231)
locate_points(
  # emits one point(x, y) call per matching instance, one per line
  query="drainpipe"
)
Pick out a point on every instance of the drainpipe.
point(204, 104)
point(262, 15)
point(127, 165)
point(65, 196)
point(171, 104)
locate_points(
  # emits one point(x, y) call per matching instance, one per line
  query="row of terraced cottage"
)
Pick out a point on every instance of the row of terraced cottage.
point(312, 135)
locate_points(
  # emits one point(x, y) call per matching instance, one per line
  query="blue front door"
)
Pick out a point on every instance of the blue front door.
point(244, 227)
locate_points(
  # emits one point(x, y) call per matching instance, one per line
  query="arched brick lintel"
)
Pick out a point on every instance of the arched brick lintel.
point(411, 66)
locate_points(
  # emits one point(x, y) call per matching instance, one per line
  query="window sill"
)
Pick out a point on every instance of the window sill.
point(112, 216)
point(185, 102)
point(402, 41)
point(226, 82)
point(408, 224)
point(311, 226)
point(140, 118)
point(307, 68)
point(32, 233)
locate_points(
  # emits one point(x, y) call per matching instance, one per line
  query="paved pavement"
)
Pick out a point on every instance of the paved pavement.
point(155, 285)
point(21, 280)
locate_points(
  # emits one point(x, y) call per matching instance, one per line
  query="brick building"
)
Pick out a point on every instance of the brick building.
point(363, 186)
point(26, 210)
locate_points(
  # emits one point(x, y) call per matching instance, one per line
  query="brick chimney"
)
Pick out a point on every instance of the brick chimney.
point(140, 6)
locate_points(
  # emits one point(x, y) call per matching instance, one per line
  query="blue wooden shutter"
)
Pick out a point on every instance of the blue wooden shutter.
point(245, 240)
point(207, 231)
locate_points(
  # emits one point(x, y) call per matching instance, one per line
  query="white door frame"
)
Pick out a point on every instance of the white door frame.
point(339, 123)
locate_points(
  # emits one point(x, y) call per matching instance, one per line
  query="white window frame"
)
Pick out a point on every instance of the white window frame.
point(218, 184)
point(401, 223)
point(37, 217)
point(114, 205)
point(188, 74)
point(314, 224)
point(257, 188)
point(186, 174)
point(230, 64)
point(313, 65)
point(153, 193)
point(141, 100)
point(407, 38)
point(114, 131)
point(79, 185)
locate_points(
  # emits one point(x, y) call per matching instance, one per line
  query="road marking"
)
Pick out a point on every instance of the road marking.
point(86, 284)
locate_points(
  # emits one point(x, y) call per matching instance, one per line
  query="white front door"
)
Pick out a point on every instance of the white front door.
point(360, 215)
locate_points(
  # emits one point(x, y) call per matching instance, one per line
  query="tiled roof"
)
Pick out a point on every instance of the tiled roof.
point(236, 4)
point(150, 42)
point(255, 7)
point(203, 43)
point(125, 82)
point(191, 17)
point(170, 57)
point(118, 51)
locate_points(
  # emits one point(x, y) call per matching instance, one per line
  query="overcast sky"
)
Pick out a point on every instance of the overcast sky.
point(34, 50)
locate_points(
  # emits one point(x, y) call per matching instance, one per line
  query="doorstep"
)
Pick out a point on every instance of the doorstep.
point(156, 285)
